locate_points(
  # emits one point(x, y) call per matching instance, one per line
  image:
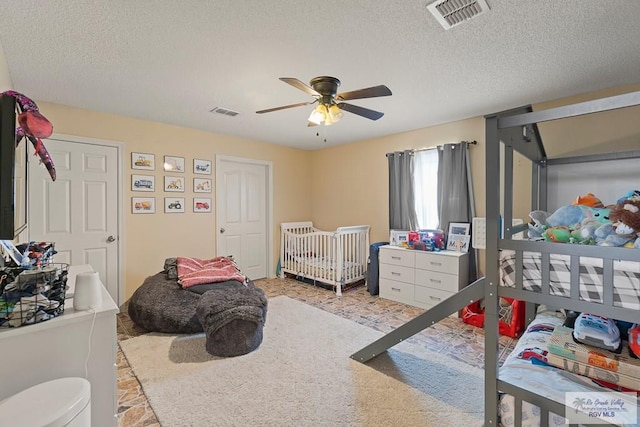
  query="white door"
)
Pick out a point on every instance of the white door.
point(79, 212)
point(243, 212)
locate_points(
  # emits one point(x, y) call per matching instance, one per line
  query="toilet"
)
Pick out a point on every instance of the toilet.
point(65, 402)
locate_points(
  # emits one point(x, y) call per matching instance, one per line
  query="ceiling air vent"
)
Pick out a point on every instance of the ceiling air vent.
point(224, 111)
point(450, 13)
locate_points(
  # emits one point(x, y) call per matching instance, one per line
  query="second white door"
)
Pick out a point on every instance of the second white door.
point(242, 213)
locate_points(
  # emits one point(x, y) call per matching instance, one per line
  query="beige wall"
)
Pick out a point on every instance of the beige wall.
point(5, 77)
point(350, 183)
point(611, 131)
point(149, 239)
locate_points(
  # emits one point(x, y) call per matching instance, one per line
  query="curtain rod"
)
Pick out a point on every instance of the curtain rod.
point(474, 142)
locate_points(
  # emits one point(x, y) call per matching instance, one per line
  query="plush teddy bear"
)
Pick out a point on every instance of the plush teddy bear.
point(625, 225)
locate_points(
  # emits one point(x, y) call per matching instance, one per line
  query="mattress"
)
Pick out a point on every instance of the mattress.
point(547, 381)
point(626, 277)
point(325, 267)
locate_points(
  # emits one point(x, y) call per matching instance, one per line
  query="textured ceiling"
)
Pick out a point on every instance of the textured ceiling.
point(173, 61)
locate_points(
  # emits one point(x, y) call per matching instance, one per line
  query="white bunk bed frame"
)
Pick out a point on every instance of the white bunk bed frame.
point(517, 130)
point(337, 258)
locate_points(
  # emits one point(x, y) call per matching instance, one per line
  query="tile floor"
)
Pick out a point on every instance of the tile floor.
point(451, 337)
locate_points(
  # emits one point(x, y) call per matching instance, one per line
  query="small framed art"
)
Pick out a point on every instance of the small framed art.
point(173, 204)
point(173, 164)
point(174, 183)
point(201, 185)
point(143, 183)
point(459, 236)
point(143, 205)
point(143, 161)
point(202, 167)
point(201, 205)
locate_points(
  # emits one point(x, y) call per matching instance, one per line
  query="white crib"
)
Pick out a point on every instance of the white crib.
point(335, 258)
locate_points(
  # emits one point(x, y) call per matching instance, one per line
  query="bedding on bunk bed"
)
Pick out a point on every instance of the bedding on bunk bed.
point(527, 366)
point(626, 277)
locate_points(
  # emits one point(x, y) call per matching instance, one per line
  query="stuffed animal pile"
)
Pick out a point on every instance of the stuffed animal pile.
point(588, 222)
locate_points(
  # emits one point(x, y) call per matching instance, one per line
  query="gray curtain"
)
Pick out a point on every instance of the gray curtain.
point(402, 213)
point(455, 192)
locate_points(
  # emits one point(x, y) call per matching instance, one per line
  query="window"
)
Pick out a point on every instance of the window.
point(425, 182)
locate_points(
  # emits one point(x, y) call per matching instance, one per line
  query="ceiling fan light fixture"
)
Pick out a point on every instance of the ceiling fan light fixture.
point(318, 114)
point(335, 113)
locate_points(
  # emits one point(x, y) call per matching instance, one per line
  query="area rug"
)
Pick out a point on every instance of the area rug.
point(302, 375)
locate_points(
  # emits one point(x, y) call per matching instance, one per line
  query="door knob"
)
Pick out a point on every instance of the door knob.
point(222, 230)
point(111, 239)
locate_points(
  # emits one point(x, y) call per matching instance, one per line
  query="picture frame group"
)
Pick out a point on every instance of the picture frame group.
point(147, 205)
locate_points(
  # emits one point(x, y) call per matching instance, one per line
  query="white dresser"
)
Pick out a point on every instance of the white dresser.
point(59, 348)
point(420, 278)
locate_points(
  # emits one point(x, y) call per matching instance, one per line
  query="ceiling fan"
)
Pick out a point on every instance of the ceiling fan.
point(330, 103)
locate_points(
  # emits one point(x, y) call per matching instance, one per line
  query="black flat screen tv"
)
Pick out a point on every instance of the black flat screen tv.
point(8, 225)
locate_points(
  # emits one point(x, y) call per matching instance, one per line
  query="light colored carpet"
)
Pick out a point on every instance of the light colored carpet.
point(302, 375)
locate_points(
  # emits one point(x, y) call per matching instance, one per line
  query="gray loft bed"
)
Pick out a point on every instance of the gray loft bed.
point(517, 130)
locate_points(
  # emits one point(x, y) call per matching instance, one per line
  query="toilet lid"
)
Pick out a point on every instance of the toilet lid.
point(51, 404)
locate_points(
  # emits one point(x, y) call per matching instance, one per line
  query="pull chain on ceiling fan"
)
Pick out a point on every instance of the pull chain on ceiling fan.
point(330, 103)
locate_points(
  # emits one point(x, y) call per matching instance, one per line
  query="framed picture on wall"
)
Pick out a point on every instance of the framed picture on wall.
point(143, 161)
point(201, 205)
point(202, 167)
point(143, 205)
point(174, 183)
point(173, 204)
point(173, 164)
point(201, 185)
point(143, 183)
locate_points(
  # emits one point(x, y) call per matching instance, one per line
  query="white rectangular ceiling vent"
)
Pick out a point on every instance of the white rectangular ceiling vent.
point(224, 111)
point(450, 13)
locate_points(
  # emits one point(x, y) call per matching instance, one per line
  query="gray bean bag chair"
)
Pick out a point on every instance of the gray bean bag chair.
point(232, 321)
point(160, 304)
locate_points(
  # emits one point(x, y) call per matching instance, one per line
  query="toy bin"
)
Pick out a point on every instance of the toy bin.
point(32, 295)
point(511, 323)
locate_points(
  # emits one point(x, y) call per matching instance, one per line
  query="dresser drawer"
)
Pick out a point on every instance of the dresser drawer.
point(435, 262)
point(405, 257)
point(397, 272)
point(430, 296)
point(433, 279)
point(397, 291)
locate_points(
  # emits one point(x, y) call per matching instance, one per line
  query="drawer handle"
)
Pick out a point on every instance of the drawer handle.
point(395, 257)
point(393, 273)
point(435, 263)
point(435, 298)
point(435, 281)
point(395, 289)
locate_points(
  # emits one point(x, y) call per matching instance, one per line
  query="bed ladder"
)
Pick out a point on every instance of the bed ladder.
point(458, 301)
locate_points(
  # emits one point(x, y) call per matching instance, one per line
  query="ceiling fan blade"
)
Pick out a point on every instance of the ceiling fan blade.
point(370, 92)
point(361, 111)
point(300, 85)
point(284, 107)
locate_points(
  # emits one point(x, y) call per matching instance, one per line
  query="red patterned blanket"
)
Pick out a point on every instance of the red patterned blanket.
point(194, 271)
